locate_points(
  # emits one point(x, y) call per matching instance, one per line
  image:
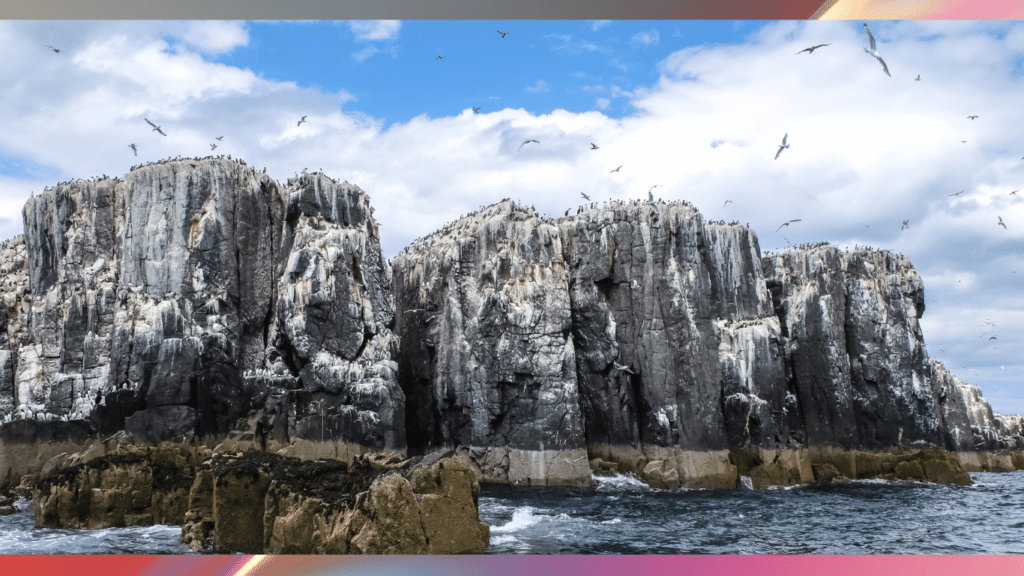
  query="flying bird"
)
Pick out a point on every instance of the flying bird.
point(155, 127)
point(219, 138)
point(502, 33)
point(786, 224)
point(972, 117)
point(301, 121)
point(652, 188)
point(964, 141)
point(617, 169)
point(527, 142)
point(874, 52)
point(439, 58)
point(54, 49)
point(476, 110)
point(593, 146)
point(1014, 192)
point(918, 78)
point(958, 193)
point(993, 338)
point(134, 149)
point(783, 145)
point(812, 48)
point(726, 202)
point(584, 195)
point(213, 146)
point(650, 200)
point(1001, 222)
point(906, 224)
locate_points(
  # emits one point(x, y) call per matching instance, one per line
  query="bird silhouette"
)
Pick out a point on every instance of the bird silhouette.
point(584, 195)
point(219, 138)
point(439, 58)
point(726, 202)
point(874, 52)
point(906, 224)
point(301, 121)
point(476, 110)
point(1014, 192)
point(918, 78)
point(155, 127)
point(958, 193)
point(527, 142)
point(134, 149)
point(502, 33)
point(786, 224)
point(783, 145)
point(971, 117)
point(617, 169)
point(812, 48)
point(1001, 222)
point(213, 146)
point(54, 49)
point(593, 146)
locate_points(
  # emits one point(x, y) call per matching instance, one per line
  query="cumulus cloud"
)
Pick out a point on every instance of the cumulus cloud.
point(375, 29)
point(540, 86)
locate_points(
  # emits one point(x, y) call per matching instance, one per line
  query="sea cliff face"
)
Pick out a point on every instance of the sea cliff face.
point(199, 298)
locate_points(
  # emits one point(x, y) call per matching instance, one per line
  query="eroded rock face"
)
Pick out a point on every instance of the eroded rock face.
point(488, 356)
point(181, 298)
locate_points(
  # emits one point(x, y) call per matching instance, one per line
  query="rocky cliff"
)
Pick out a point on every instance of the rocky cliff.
point(190, 293)
point(198, 297)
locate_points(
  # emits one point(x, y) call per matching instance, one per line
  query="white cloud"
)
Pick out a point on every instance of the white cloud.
point(596, 25)
point(375, 29)
point(603, 103)
point(215, 36)
point(365, 53)
point(646, 38)
point(540, 86)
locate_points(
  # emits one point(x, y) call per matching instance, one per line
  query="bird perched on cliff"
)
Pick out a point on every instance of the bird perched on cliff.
point(787, 224)
point(502, 33)
point(527, 142)
point(812, 49)
point(155, 127)
point(906, 224)
point(54, 49)
point(1001, 222)
point(783, 145)
point(617, 169)
point(971, 117)
point(301, 121)
point(134, 149)
point(584, 195)
point(874, 52)
point(593, 146)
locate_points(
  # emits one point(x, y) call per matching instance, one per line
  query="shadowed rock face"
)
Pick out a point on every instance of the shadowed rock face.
point(178, 299)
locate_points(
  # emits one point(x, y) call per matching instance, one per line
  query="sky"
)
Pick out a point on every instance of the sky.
point(699, 108)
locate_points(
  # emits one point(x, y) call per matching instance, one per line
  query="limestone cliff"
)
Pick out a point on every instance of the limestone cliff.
point(199, 297)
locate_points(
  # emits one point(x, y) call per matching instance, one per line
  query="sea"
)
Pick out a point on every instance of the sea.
point(621, 515)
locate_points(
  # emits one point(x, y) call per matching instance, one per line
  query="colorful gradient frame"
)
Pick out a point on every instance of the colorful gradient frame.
point(245, 565)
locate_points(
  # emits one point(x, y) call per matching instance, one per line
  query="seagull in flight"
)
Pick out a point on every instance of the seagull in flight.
point(155, 127)
point(874, 52)
point(812, 48)
point(476, 110)
point(958, 193)
point(584, 195)
point(906, 224)
point(972, 117)
point(783, 145)
point(134, 149)
point(213, 146)
point(54, 49)
point(965, 142)
point(918, 78)
point(726, 202)
point(1014, 192)
point(993, 338)
point(617, 169)
point(527, 142)
point(301, 121)
point(593, 146)
point(1001, 222)
point(439, 58)
point(219, 138)
point(649, 191)
point(502, 33)
point(650, 200)
point(786, 224)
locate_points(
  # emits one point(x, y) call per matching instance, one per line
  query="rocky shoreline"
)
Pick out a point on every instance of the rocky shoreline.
point(200, 302)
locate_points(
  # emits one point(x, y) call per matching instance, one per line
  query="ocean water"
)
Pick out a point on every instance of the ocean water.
point(621, 515)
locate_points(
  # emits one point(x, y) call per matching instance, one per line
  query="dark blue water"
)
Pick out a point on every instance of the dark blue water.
point(623, 516)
